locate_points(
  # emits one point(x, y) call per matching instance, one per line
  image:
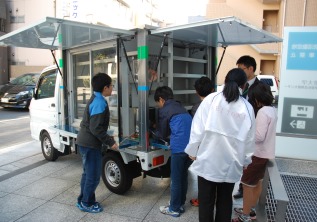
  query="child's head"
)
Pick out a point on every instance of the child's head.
point(100, 81)
point(235, 79)
point(260, 94)
point(204, 86)
point(163, 93)
point(247, 61)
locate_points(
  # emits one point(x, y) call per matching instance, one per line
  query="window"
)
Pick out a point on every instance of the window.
point(46, 86)
point(17, 19)
point(2, 25)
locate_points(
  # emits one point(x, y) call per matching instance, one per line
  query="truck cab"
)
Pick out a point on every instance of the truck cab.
point(178, 55)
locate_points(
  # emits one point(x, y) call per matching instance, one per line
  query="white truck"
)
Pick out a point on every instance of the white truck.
point(180, 55)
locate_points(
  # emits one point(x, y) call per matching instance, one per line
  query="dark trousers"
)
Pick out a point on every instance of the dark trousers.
point(92, 162)
point(180, 163)
point(210, 192)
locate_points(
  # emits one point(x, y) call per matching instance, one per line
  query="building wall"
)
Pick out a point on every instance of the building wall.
point(21, 13)
point(125, 14)
point(4, 75)
point(251, 11)
point(290, 13)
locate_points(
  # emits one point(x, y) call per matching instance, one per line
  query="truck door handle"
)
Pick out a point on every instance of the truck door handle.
point(53, 105)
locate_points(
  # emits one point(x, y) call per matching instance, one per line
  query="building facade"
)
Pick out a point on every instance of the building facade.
point(270, 15)
point(15, 14)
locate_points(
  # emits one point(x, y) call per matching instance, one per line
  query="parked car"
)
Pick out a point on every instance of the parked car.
point(268, 79)
point(18, 92)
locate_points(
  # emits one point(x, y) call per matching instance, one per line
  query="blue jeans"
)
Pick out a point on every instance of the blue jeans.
point(90, 179)
point(180, 163)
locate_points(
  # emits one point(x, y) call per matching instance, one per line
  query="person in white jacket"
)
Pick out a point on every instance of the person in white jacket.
point(221, 144)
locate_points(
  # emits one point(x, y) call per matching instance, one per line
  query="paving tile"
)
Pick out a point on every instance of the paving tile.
point(71, 172)
point(106, 217)
point(191, 213)
point(53, 212)
point(2, 194)
point(7, 158)
point(46, 188)
point(17, 182)
point(49, 168)
point(139, 200)
point(13, 207)
point(3, 172)
point(70, 196)
point(29, 160)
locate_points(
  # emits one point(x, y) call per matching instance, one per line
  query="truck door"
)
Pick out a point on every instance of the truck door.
point(44, 105)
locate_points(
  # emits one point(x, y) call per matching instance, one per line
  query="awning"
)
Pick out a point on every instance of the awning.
point(219, 32)
point(54, 33)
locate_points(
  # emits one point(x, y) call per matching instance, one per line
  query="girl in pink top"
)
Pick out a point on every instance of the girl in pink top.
point(261, 98)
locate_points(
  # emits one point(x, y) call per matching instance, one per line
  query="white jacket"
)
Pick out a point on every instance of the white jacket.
point(222, 138)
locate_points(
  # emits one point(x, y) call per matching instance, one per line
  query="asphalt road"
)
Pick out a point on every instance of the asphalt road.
point(14, 127)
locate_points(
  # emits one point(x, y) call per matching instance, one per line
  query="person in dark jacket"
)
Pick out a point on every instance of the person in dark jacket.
point(203, 86)
point(248, 64)
point(175, 123)
point(92, 135)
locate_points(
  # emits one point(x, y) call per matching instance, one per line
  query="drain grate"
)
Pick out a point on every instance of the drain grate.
point(302, 194)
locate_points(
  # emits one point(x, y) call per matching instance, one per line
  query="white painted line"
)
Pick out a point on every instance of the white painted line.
point(7, 120)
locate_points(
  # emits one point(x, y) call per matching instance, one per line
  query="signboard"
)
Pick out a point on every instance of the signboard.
point(297, 109)
point(298, 116)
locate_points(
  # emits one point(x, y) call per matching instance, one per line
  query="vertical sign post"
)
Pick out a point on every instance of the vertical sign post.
point(297, 109)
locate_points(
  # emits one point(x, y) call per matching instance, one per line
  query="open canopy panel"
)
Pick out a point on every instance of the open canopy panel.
point(219, 32)
point(54, 33)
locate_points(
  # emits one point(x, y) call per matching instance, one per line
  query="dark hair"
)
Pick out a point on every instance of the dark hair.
point(261, 92)
point(99, 81)
point(235, 78)
point(164, 92)
point(204, 86)
point(247, 61)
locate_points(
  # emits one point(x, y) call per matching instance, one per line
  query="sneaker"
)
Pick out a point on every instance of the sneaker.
point(95, 208)
point(182, 209)
point(252, 212)
point(242, 218)
point(166, 210)
point(239, 194)
point(78, 205)
point(194, 202)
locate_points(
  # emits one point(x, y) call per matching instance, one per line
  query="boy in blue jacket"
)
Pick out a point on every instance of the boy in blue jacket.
point(91, 136)
point(174, 123)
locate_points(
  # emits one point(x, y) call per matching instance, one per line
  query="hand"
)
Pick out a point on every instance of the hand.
point(153, 75)
point(192, 157)
point(115, 146)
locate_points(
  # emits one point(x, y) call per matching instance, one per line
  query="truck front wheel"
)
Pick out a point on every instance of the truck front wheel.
point(48, 150)
point(115, 174)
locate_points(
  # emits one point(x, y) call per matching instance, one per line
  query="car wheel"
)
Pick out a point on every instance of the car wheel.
point(48, 150)
point(115, 174)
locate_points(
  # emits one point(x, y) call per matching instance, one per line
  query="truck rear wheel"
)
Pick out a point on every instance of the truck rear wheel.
point(115, 174)
point(48, 150)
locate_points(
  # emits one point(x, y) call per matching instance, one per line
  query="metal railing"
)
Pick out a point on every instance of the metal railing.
point(280, 196)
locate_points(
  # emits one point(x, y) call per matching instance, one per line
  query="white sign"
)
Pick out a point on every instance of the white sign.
point(302, 111)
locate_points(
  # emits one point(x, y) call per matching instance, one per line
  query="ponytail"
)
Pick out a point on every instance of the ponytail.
point(235, 78)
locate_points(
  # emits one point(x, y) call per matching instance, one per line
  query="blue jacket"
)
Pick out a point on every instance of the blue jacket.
point(175, 123)
point(95, 123)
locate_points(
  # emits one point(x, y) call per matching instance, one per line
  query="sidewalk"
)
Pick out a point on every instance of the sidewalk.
point(47, 191)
